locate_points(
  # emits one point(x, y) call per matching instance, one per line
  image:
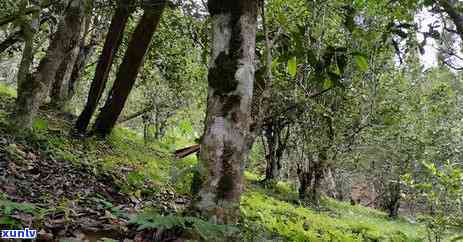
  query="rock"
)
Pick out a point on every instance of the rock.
point(44, 235)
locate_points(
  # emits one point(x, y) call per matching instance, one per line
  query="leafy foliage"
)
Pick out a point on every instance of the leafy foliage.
point(207, 230)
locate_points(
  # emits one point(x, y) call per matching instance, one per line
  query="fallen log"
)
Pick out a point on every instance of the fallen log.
point(182, 153)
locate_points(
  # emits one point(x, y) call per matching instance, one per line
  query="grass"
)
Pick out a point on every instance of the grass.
point(276, 215)
point(6, 90)
point(267, 214)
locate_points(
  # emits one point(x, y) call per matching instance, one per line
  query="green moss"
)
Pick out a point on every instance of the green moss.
point(275, 213)
point(297, 223)
point(6, 90)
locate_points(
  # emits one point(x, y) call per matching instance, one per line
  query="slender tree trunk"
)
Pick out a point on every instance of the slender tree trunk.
point(32, 94)
point(112, 43)
point(28, 31)
point(305, 178)
point(317, 175)
point(262, 87)
point(128, 70)
point(310, 177)
point(271, 170)
point(391, 199)
point(331, 183)
point(136, 115)
point(277, 139)
point(224, 146)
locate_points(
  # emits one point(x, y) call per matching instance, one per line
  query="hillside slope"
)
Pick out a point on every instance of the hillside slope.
point(91, 189)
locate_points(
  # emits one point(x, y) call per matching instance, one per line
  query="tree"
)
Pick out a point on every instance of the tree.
point(32, 93)
point(72, 68)
point(128, 70)
point(28, 29)
point(224, 142)
point(112, 43)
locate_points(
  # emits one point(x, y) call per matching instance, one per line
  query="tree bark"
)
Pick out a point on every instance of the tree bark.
point(60, 89)
point(310, 178)
point(86, 51)
point(128, 71)
point(72, 67)
point(11, 40)
point(32, 94)
point(28, 31)
point(112, 43)
point(136, 115)
point(224, 147)
point(276, 142)
point(454, 14)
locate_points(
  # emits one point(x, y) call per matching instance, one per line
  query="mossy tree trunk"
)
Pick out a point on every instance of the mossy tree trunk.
point(128, 70)
point(31, 94)
point(60, 89)
point(111, 45)
point(28, 30)
point(224, 147)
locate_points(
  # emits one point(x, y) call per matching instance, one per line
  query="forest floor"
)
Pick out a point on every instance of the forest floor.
point(122, 189)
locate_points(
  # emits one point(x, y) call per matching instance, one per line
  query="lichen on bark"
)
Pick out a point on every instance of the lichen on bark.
point(224, 146)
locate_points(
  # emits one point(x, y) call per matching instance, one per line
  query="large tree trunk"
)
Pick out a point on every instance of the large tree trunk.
point(224, 147)
point(86, 51)
point(455, 15)
point(73, 66)
point(32, 93)
point(128, 70)
point(112, 43)
point(60, 89)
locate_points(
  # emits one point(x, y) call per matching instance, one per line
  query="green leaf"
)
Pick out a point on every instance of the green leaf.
point(327, 84)
point(292, 66)
point(362, 62)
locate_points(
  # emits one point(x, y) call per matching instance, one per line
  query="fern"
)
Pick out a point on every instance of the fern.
point(206, 230)
point(7, 207)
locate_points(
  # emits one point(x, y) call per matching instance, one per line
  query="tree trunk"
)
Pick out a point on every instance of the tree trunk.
point(73, 66)
point(112, 43)
point(136, 115)
point(32, 94)
point(310, 178)
point(456, 16)
point(128, 70)
point(28, 31)
point(60, 90)
point(317, 174)
point(224, 145)
point(390, 201)
point(305, 178)
point(331, 183)
point(11, 40)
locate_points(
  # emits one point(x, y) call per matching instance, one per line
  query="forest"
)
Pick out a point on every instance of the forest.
point(231, 120)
